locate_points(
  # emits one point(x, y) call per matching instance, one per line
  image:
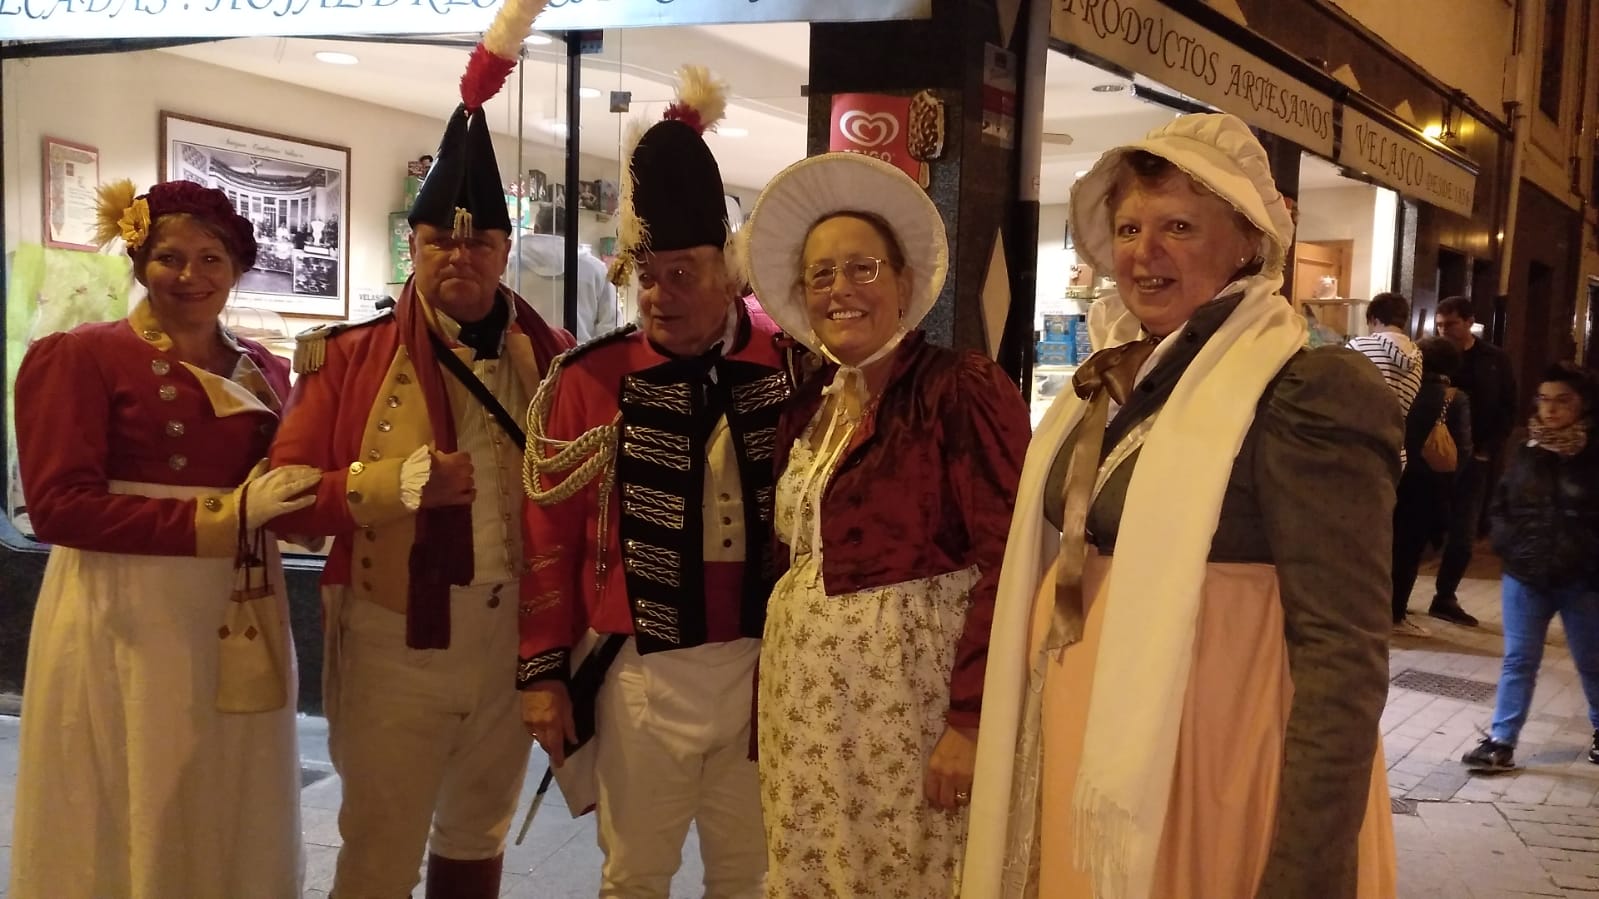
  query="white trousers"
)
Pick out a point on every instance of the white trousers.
point(673, 742)
point(429, 742)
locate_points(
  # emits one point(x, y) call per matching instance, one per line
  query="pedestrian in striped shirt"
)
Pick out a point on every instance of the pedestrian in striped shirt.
point(1391, 349)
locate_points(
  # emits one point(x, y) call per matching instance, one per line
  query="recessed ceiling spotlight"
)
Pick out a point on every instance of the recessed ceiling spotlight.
point(1109, 88)
point(588, 93)
point(538, 40)
point(731, 131)
point(335, 58)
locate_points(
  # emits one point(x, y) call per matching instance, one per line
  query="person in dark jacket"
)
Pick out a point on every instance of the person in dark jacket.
point(1422, 509)
point(1486, 377)
point(1545, 518)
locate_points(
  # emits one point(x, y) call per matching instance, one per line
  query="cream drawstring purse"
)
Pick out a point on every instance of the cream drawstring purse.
point(250, 655)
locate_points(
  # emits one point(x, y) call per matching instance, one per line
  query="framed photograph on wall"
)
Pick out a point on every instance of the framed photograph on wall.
point(71, 179)
point(295, 192)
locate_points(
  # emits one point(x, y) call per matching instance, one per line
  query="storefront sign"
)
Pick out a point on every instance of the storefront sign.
point(907, 132)
point(1148, 38)
point(1405, 163)
point(63, 19)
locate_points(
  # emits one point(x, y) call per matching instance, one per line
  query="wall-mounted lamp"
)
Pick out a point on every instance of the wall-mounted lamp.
point(1446, 132)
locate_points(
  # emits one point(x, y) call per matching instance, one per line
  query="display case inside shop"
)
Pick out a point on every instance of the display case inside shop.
point(1062, 341)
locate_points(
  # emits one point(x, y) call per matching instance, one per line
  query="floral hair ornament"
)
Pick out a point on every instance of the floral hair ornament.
point(119, 213)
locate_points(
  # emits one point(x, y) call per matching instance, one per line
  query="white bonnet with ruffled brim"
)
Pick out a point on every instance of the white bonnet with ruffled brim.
point(1216, 150)
point(773, 239)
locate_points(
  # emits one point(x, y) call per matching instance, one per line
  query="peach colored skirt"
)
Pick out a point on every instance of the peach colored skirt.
point(1229, 756)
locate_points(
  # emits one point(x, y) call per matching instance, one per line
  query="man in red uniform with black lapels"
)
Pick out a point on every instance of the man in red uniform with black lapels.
point(408, 415)
point(649, 531)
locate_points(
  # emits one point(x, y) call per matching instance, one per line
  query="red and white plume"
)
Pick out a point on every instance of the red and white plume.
point(496, 54)
point(701, 99)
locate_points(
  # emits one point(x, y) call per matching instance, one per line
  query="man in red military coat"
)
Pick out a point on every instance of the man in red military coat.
point(649, 533)
point(423, 498)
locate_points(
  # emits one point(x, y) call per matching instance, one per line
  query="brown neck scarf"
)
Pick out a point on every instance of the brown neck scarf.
point(1566, 442)
point(1107, 375)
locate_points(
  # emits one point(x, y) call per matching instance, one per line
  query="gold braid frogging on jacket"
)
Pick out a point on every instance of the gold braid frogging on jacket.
point(589, 457)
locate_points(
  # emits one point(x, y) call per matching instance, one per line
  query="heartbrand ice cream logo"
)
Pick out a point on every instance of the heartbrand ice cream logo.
point(869, 129)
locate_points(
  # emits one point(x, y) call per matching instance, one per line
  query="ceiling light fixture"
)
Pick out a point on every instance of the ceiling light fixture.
point(538, 40)
point(335, 58)
point(588, 93)
point(731, 131)
point(1109, 88)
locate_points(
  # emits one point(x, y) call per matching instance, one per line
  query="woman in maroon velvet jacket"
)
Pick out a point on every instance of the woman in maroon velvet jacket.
point(898, 467)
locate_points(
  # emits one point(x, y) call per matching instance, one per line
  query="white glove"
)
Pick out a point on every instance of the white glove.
point(278, 492)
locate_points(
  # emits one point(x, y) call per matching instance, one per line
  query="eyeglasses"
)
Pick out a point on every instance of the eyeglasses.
point(858, 269)
point(445, 245)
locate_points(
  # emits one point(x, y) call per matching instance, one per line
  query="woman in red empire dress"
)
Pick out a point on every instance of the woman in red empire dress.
point(134, 438)
point(898, 464)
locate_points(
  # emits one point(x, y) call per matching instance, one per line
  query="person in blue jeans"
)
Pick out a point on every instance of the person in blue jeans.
point(1545, 528)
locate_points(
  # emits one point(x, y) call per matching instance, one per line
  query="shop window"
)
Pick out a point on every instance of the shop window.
point(331, 243)
point(1551, 76)
point(389, 110)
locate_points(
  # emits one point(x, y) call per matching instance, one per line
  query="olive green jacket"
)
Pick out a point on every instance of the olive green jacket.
point(1311, 492)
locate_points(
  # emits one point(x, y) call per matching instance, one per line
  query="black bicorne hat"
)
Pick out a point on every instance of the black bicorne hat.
point(462, 190)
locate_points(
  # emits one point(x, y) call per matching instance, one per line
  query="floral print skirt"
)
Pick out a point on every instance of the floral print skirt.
point(853, 693)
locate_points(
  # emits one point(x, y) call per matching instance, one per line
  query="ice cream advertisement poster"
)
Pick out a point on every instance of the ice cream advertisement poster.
point(907, 132)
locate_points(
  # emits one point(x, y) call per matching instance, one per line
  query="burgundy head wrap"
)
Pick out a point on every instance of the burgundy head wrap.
point(211, 205)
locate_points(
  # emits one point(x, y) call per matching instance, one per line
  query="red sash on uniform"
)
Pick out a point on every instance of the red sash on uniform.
point(442, 554)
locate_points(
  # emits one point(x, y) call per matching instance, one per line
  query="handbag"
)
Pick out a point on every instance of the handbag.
point(1438, 450)
point(249, 657)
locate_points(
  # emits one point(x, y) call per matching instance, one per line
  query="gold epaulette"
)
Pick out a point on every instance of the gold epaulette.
point(310, 345)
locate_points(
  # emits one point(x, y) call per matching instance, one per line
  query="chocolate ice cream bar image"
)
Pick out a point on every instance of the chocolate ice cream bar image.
point(926, 139)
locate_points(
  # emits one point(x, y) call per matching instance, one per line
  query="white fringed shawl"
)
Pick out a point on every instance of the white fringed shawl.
point(1172, 509)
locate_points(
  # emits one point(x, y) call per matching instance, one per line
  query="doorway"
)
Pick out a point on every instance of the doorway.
point(1321, 269)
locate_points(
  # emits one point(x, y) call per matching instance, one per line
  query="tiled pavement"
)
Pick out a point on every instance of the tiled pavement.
point(1532, 832)
point(558, 858)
